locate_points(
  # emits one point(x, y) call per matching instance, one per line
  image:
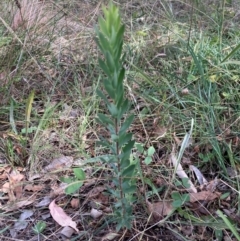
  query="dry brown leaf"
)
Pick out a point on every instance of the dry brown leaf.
point(160, 132)
point(212, 185)
point(4, 170)
point(181, 173)
point(160, 209)
point(44, 202)
point(15, 185)
point(110, 236)
point(16, 205)
point(204, 195)
point(5, 187)
point(32, 177)
point(67, 232)
point(59, 163)
point(95, 213)
point(33, 188)
point(58, 189)
point(61, 217)
point(201, 179)
point(75, 203)
point(177, 140)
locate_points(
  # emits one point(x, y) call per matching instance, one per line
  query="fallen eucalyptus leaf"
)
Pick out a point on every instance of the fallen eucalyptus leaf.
point(61, 217)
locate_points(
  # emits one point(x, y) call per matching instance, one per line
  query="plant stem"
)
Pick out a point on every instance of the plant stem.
point(119, 169)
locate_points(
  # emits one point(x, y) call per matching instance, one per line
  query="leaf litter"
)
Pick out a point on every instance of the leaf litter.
point(61, 217)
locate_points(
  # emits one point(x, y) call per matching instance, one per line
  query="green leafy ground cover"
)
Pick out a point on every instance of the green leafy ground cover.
point(182, 79)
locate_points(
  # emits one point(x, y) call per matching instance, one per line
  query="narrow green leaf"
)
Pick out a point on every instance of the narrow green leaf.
point(124, 138)
point(104, 119)
point(121, 76)
point(225, 195)
point(126, 124)
point(124, 108)
point(79, 173)
point(231, 53)
point(103, 27)
point(98, 42)
point(124, 163)
point(128, 147)
point(104, 44)
point(109, 88)
point(113, 110)
point(110, 62)
point(104, 67)
point(128, 172)
point(101, 95)
point(228, 223)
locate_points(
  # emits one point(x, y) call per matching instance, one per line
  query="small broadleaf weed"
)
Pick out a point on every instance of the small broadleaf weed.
point(109, 39)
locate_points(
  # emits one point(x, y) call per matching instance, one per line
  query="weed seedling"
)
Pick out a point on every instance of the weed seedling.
point(110, 42)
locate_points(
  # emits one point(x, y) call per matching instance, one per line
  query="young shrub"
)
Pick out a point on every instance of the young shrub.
point(109, 39)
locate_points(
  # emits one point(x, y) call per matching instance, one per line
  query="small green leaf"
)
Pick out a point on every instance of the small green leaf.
point(139, 147)
point(73, 187)
point(177, 183)
point(39, 227)
point(219, 234)
point(66, 179)
point(225, 195)
point(130, 189)
point(177, 203)
point(176, 195)
point(79, 173)
point(113, 110)
point(185, 182)
point(179, 200)
point(148, 160)
point(185, 197)
point(151, 151)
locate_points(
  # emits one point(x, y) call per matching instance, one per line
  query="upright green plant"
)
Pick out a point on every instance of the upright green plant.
point(110, 41)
